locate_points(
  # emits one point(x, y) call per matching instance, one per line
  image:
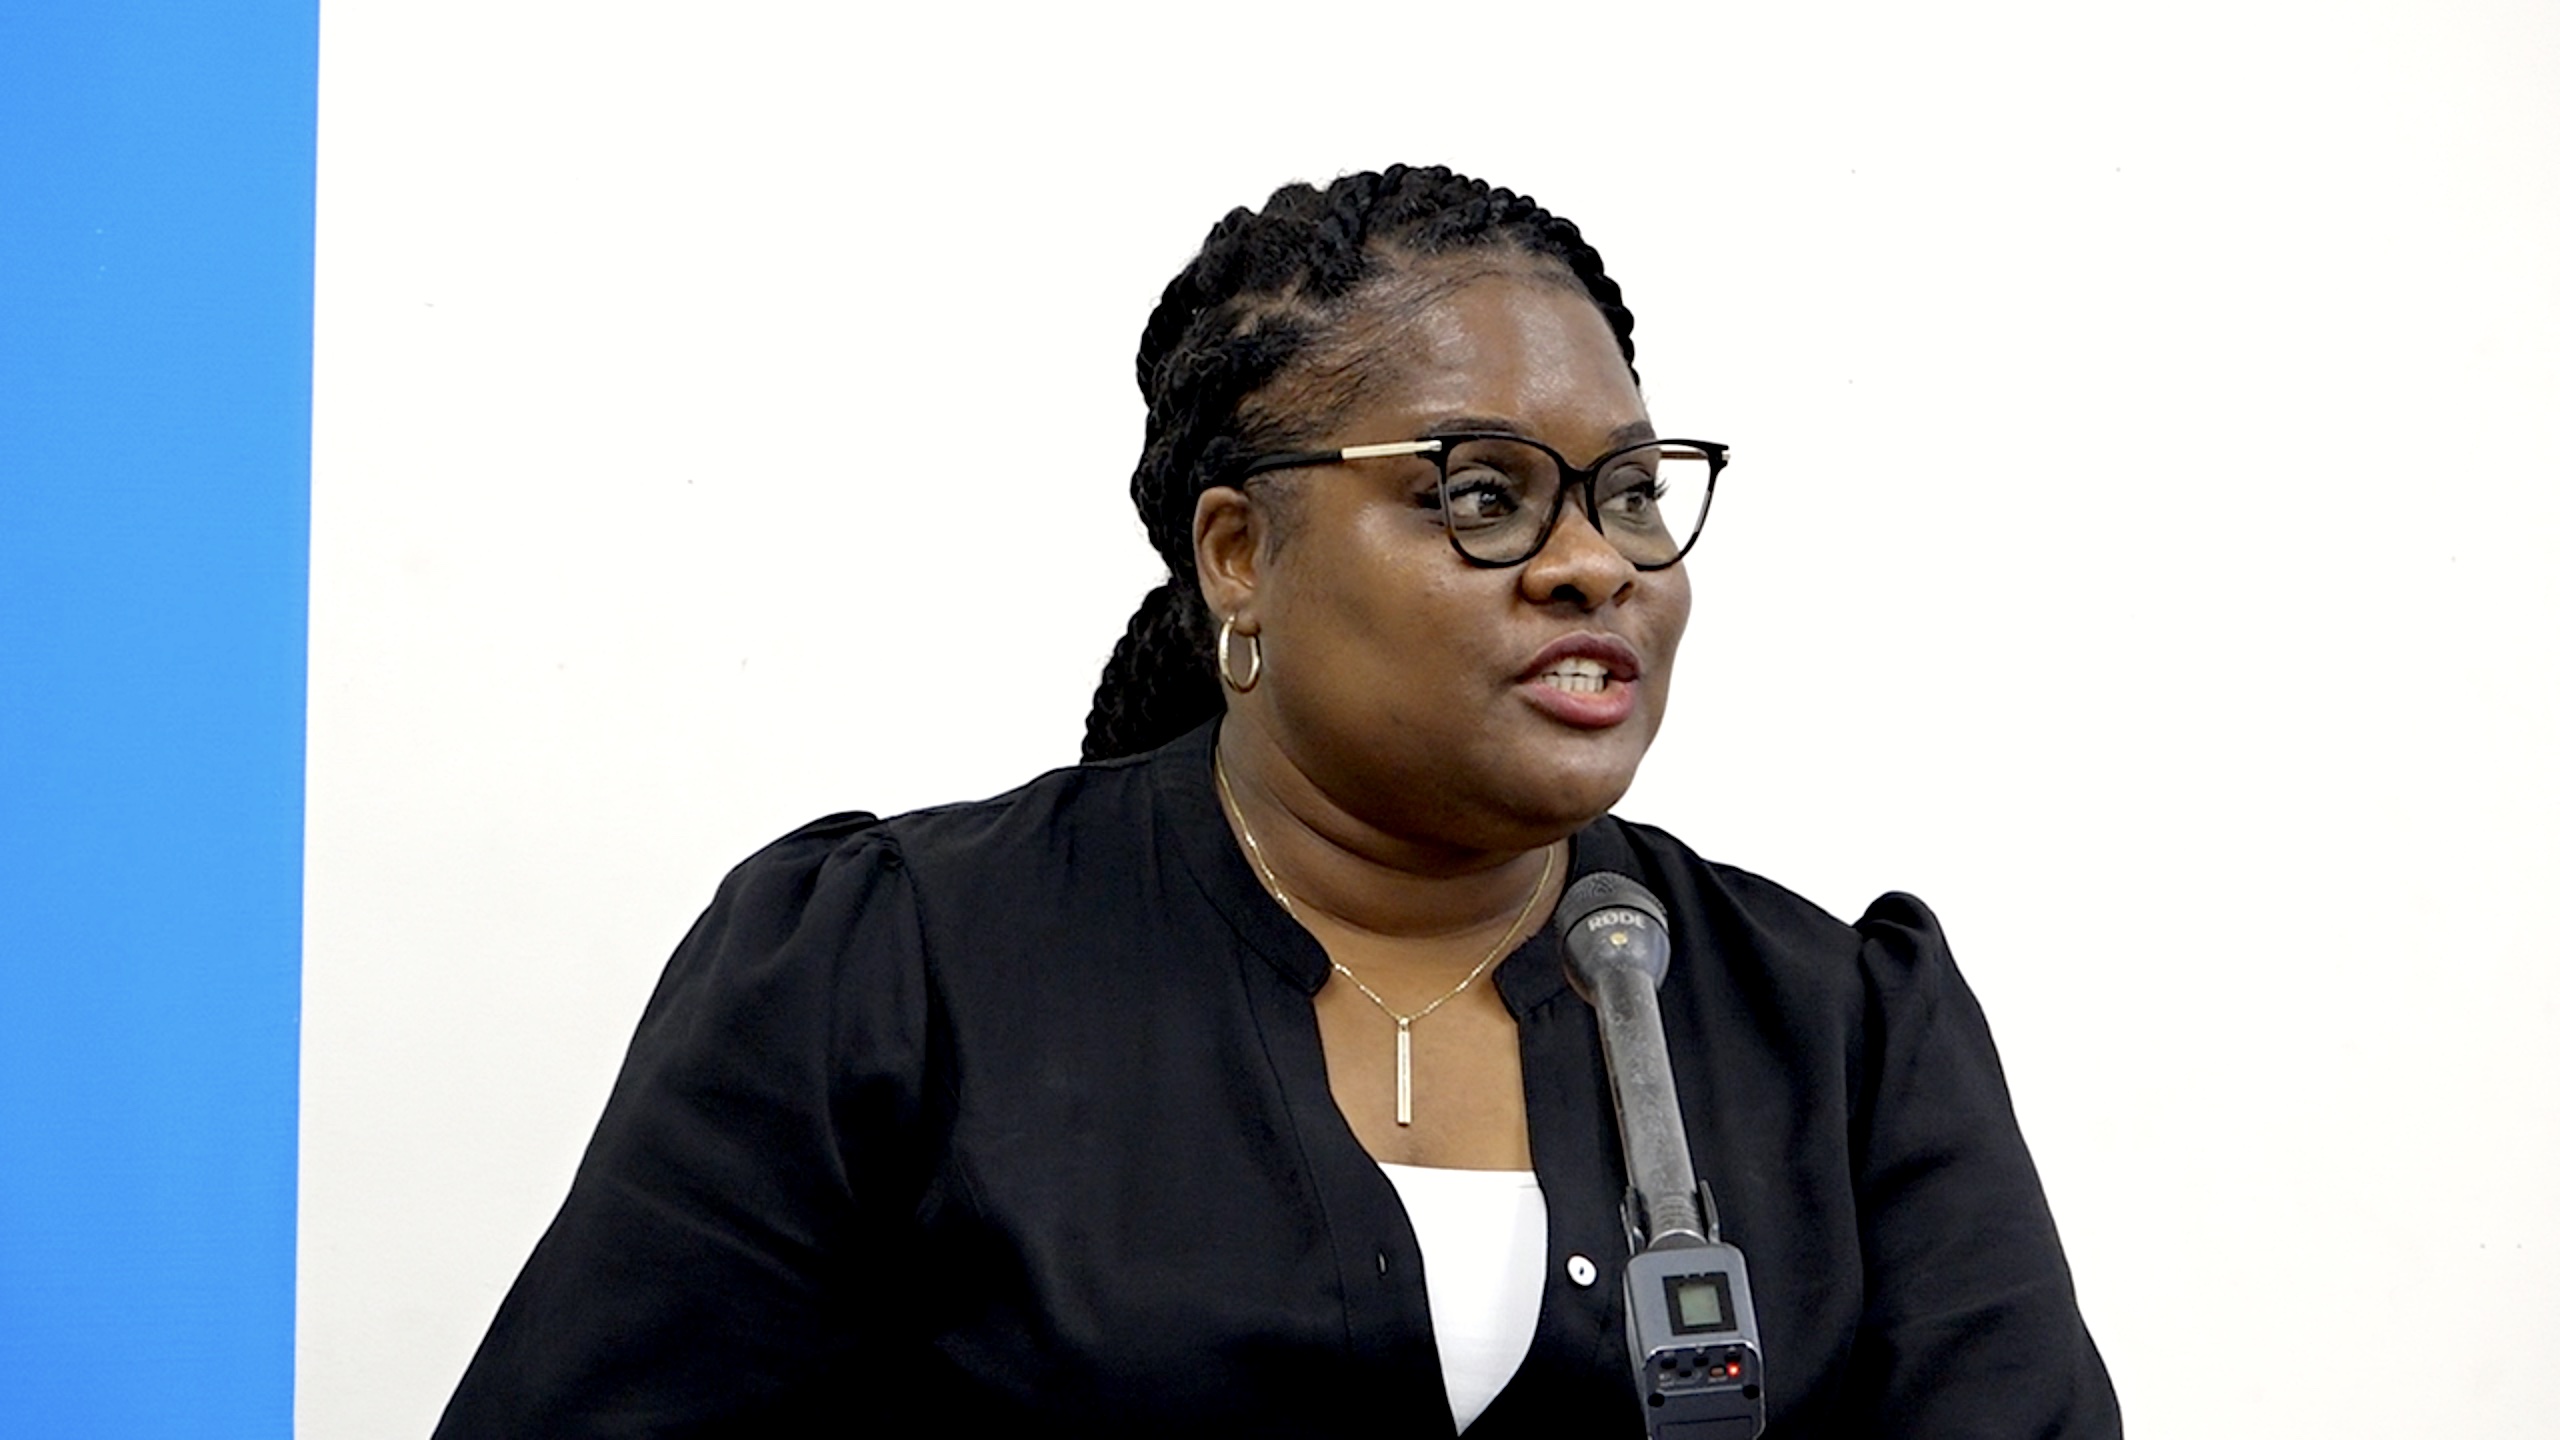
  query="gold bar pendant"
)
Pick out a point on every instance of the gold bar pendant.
point(1404, 1072)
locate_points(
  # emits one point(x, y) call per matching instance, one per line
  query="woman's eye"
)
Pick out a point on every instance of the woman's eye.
point(1481, 497)
point(1631, 494)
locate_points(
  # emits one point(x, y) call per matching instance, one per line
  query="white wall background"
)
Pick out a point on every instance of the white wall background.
point(2141, 543)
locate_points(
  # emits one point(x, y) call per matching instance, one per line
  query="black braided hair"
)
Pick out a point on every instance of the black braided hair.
point(1267, 290)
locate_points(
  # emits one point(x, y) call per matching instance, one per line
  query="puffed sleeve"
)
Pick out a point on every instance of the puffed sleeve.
point(1970, 1327)
point(701, 1278)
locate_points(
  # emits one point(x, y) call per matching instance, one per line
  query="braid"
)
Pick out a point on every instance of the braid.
point(1266, 288)
point(1150, 688)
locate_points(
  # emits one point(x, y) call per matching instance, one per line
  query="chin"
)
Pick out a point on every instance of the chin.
point(1576, 790)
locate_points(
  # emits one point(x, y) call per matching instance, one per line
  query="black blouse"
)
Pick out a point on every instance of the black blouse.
point(1012, 1117)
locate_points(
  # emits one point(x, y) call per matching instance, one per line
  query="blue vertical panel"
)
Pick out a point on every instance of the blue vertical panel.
point(155, 361)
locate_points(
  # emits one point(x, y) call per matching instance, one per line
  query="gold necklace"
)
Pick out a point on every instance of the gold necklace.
point(1404, 1023)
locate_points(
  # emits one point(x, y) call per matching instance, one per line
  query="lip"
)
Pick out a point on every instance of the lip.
point(1610, 706)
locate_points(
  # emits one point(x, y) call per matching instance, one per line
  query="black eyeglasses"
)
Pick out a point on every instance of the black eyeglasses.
point(1501, 495)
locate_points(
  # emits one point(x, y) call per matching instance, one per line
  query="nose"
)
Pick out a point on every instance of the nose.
point(1577, 566)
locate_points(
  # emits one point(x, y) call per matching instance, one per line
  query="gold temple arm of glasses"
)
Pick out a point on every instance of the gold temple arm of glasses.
point(1399, 447)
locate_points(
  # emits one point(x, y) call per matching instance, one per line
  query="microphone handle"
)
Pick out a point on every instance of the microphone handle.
point(1650, 1133)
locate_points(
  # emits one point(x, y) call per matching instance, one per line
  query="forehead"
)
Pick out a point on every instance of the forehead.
point(1515, 349)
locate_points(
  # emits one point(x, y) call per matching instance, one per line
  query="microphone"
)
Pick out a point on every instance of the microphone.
point(1693, 1340)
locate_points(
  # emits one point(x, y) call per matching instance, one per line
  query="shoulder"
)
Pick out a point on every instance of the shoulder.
point(835, 938)
point(1042, 813)
point(1069, 794)
point(1893, 946)
point(1078, 825)
point(1737, 905)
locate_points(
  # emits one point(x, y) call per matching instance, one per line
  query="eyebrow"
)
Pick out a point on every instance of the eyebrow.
point(1627, 434)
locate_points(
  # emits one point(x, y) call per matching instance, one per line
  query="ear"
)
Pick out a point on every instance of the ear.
point(1226, 545)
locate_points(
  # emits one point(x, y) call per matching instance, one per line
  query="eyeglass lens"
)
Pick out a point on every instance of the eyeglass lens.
point(1500, 496)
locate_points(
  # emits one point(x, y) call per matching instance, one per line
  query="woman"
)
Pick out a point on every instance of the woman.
point(1229, 1083)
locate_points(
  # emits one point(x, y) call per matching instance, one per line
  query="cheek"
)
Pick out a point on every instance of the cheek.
point(1675, 595)
point(1386, 620)
point(1672, 614)
point(1366, 584)
point(1672, 620)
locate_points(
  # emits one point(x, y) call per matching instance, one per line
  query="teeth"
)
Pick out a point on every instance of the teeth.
point(1578, 675)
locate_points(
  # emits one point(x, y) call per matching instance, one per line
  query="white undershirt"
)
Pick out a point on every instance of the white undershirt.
point(1484, 1253)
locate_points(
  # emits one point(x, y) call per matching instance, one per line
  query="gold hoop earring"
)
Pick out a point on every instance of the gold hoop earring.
point(1226, 672)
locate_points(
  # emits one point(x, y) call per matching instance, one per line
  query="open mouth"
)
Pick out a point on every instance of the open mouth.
point(1576, 675)
point(1586, 680)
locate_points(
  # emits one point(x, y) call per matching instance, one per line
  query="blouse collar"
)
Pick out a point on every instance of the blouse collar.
point(1205, 846)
